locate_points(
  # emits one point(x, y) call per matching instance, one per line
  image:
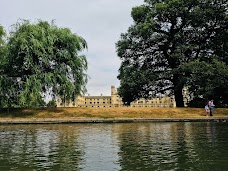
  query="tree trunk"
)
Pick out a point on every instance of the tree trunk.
point(179, 97)
point(178, 87)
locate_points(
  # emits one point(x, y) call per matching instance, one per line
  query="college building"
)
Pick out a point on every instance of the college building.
point(116, 101)
point(94, 101)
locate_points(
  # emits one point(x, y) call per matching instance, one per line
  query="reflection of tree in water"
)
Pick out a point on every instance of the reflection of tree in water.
point(38, 147)
point(147, 147)
point(210, 142)
point(68, 152)
point(173, 146)
point(211, 132)
point(207, 146)
point(185, 155)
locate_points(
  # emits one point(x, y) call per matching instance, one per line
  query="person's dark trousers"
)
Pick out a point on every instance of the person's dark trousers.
point(211, 110)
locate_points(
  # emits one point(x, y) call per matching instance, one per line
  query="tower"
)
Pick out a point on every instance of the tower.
point(115, 98)
point(113, 90)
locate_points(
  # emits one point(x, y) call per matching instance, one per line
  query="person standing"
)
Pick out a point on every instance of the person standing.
point(207, 109)
point(211, 106)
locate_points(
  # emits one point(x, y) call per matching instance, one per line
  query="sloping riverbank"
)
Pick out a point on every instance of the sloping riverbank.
point(109, 115)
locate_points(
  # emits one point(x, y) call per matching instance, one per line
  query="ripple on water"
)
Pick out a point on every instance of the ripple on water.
point(136, 146)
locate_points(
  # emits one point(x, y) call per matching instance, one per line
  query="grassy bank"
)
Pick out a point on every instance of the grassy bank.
point(107, 113)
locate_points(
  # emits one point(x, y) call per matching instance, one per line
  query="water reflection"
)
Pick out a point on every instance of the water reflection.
point(126, 147)
point(39, 148)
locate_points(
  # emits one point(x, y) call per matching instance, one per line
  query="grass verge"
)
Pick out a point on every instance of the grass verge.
point(108, 113)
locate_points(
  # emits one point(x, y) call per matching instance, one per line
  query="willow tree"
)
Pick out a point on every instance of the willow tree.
point(2, 55)
point(165, 37)
point(44, 59)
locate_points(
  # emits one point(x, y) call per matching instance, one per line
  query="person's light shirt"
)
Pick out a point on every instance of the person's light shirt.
point(211, 103)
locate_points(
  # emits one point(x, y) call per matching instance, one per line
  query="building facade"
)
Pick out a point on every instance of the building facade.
point(155, 102)
point(115, 101)
point(94, 101)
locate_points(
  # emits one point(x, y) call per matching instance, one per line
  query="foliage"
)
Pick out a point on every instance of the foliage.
point(43, 59)
point(166, 38)
point(2, 58)
point(2, 42)
point(198, 102)
point(209, 80)
point(51, 103)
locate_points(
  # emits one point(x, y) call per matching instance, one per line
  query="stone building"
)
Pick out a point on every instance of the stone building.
point(115, 101)
point(94, 101)
point(155, 102)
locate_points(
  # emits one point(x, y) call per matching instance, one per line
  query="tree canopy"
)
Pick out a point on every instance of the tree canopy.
point(174, 44)
point(42, 59)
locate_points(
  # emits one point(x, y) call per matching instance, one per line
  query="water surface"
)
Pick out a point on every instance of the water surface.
point(115, 147)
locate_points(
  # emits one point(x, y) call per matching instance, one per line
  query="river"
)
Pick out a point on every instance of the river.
point(114, 147)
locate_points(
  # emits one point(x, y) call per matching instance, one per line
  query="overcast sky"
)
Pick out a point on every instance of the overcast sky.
point(99, 22)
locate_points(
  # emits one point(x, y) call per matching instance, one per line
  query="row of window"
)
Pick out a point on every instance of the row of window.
point(95, 106)
point(97, 103)
point(98, 99)
point(151, 105)
point(152, 102)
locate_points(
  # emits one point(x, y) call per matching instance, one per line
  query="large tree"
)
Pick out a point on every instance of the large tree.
point(43, 59)
point(165, 37)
